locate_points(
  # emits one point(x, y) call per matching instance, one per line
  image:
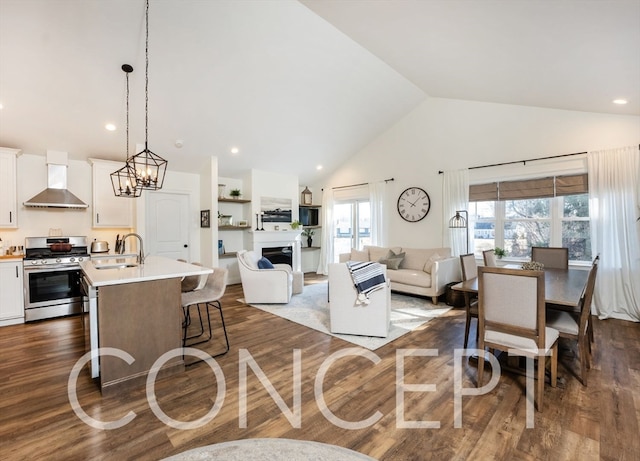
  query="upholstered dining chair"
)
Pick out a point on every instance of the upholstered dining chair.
point(469, 271)
point(190, 282)
point(511, 316)
point(551, 257)
point(577, 327)
point(489, 257)
point(205, 298)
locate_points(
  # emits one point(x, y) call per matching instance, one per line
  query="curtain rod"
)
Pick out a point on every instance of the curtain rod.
point(524, 162)
point(361, 184)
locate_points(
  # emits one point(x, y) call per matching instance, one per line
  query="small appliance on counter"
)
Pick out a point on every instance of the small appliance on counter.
point(99, 246)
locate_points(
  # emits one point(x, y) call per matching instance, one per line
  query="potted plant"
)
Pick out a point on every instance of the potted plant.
point(295, 224)
point(500, 252)
point(235, 193)
point(309, 234)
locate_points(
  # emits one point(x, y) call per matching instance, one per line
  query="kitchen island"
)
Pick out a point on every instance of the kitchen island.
point(134, 308)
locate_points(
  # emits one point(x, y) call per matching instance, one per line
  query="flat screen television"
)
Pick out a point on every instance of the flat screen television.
point(309, 216)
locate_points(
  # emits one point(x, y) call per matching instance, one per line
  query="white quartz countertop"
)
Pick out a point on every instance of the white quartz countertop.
point(113, 271)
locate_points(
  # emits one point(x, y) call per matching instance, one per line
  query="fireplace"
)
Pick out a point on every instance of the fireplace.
point(279, 254)
point(267, 240)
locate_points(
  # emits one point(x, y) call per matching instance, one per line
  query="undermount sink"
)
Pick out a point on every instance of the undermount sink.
point(115, 266)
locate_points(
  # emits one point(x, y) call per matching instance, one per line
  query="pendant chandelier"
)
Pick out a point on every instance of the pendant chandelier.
point(124, 181)
point(148, 168)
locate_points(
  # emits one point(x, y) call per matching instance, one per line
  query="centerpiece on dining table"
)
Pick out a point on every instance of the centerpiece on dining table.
point(532, 266)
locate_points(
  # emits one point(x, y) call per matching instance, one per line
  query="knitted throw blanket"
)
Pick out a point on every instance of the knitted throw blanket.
point(367, 278)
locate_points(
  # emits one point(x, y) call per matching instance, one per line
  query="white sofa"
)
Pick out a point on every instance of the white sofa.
point(422, 271)
point(264, 286)
point(348, 317)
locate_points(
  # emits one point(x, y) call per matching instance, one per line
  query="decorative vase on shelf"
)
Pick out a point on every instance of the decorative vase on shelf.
point(221, 188)
point(309, 241)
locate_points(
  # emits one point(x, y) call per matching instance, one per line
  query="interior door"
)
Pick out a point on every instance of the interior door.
point(167, 225)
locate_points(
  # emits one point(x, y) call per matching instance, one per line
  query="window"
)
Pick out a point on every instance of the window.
point(516, 224)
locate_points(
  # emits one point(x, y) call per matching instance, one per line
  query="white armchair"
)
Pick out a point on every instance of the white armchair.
point(347, 317)
point(264, 286)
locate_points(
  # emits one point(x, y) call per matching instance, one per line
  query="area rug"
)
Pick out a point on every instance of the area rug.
point(311, 309)
point(270, 450)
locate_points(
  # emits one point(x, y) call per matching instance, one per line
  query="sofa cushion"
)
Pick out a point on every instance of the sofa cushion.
point(415, 258)
point(411, 277)
point(378, 253)
point(429, 264)
point(357, 255)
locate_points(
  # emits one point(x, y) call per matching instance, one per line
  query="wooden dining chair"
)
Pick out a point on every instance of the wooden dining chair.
point(577, 327)
point(469, 271)
point(512, 317)
point(489, 257)
point(551, 257)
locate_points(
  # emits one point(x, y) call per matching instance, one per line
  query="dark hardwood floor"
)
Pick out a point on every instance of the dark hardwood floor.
point(600, 421)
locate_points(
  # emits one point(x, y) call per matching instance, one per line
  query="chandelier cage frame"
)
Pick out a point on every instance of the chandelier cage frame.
point(123, 181)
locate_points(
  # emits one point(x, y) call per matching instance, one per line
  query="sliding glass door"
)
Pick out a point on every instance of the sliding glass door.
point(352, 226)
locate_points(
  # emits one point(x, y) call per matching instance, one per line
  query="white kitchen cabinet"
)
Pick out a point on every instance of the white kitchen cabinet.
point(11, 294)
point(8, 187)
point(109, 210)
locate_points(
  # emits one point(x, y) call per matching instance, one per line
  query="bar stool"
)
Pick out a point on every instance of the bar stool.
point(207, 297)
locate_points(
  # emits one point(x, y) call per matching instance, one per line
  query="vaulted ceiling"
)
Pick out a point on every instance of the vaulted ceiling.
point(294, 85)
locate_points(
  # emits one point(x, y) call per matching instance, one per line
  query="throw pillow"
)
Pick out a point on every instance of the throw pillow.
point(264, 263)
point(357, 255)
point(392, 263)
point(429, 264)
point(392, 260)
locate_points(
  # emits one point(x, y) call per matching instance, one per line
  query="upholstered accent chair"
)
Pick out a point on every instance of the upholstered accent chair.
point(551, 257)
point(349, 317)
point(511, 317)
point(469, 271)
point(264, 286)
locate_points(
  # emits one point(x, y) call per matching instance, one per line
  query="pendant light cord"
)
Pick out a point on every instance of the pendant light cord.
point(146, 81)
point(127, 151)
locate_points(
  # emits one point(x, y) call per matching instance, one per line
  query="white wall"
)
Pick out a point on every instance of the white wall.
point(445, 134)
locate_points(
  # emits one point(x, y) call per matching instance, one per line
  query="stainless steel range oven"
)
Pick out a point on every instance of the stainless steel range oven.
point(52, 276)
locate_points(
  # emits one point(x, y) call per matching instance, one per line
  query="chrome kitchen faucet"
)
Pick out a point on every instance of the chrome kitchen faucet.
point(140, 259)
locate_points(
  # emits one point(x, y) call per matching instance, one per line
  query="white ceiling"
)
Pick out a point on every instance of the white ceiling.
point(294, 84)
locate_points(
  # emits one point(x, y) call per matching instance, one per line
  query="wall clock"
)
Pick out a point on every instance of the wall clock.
point(414, 204)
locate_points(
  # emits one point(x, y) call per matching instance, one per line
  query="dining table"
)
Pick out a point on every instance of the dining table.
point(562, 287)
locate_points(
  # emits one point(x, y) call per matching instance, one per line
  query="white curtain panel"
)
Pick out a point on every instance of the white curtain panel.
point(455, 196)
point(326, 249)
point(614, 202)
point(378, 203)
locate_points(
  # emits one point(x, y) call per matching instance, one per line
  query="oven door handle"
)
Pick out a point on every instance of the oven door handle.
point(51, 268)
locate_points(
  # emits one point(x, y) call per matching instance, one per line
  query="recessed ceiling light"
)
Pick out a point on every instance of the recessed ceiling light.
point(1, 106)
point(110, 127)
point(235, 150)
point(620, 101)
point(319, 167)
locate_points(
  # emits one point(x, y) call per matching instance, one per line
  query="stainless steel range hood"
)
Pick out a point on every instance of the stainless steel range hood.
point(56, 194)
